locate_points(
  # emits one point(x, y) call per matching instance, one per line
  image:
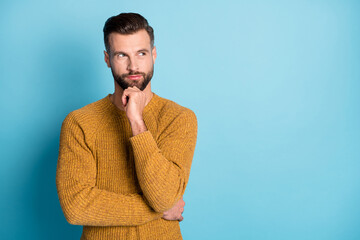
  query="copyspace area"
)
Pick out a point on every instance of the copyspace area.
point(274, 84)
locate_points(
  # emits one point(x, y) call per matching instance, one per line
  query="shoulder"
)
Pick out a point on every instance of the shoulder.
point(171, 112)
point(87, 117)
point(169, 108)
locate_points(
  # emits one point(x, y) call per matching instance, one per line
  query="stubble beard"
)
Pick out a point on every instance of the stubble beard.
point(141, 84)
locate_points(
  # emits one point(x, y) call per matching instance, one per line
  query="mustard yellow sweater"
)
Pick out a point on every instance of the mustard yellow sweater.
point(118, 185)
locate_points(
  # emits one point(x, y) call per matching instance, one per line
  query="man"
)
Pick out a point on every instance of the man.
point(124, 161)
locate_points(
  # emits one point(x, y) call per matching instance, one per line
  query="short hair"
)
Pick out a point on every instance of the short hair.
point(126, 23)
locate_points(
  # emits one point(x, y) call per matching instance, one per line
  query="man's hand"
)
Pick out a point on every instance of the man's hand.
point(175, 213)
point(134, 101)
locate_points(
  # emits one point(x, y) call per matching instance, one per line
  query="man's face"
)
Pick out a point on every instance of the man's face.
point(131, 59)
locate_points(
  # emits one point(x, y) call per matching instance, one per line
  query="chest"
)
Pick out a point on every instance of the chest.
point(114, 157)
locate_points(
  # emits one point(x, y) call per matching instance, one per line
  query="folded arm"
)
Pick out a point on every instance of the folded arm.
point(163, 165)
point(82, 202)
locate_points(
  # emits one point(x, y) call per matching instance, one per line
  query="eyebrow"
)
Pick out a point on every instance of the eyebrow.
point(143, 50)
point(118, 52)
point(121, 52)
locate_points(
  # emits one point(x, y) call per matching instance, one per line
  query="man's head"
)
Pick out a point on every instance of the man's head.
point(130, 51)
point(126, 23)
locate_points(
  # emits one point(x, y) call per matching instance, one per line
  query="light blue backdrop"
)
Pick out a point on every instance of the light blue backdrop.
point(275, 86)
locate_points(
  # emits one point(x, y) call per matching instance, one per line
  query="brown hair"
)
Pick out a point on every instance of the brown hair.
point(126, 23)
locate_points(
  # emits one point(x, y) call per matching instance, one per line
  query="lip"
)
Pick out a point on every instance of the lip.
point(134, 77)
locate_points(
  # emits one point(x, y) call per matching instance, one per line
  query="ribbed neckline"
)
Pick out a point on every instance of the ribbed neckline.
point(147, 108)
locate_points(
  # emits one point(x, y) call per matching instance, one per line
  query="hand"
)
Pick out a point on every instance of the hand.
point(175, 213)
point(134, 101)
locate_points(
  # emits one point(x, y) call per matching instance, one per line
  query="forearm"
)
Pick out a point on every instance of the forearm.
point(88, 205)
point(163, 166)
point(162, 181)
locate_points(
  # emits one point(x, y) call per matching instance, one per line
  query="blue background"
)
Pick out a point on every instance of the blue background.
point(275, 86)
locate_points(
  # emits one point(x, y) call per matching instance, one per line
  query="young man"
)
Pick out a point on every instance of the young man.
point(124, 161)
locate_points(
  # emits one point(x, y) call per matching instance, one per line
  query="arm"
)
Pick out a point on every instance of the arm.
point(163, 166)
point(82, 202)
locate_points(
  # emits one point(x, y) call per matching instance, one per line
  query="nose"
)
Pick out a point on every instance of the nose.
point(133, 65)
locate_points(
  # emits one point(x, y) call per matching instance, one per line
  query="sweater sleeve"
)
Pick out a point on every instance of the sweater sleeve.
point(81, 201)
point(163, 166)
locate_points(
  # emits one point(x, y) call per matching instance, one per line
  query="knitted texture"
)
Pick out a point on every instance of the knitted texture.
point(118, 185)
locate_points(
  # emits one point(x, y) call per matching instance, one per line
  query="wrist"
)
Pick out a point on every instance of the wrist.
point(136, 119)
point(138, 126)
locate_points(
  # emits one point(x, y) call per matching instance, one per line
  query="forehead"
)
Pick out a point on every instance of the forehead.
point(129, 42)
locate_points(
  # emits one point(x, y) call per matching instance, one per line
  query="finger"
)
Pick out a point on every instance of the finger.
point(124, 99)
point(133, 89)
point(181, 218)
point(181, 210)
point(129, 91)
point(136, 88)
point(125, 96)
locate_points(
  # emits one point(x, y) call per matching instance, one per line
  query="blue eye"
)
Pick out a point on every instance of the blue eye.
point(121, 55)
point(142, 54)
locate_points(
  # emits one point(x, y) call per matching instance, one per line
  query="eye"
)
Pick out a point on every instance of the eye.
point(142, 54)
point(121, 55)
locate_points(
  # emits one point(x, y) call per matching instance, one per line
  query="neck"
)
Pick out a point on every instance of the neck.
point(116, 96)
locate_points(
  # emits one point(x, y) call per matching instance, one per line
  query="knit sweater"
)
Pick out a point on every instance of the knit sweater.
point(117, 185)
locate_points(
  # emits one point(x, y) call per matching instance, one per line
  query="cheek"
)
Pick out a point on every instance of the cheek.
point(117, 66)
point(149, 64)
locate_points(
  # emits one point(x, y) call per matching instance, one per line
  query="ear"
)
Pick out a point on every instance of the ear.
point(107, 59)
point(153, 51)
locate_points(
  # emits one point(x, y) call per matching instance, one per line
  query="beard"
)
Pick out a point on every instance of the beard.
point(140, 84)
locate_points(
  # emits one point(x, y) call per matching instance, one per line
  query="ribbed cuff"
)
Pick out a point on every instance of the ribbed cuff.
point(143, 145)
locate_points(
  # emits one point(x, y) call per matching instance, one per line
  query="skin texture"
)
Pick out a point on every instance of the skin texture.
point(175, 213)
point(132, 57)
